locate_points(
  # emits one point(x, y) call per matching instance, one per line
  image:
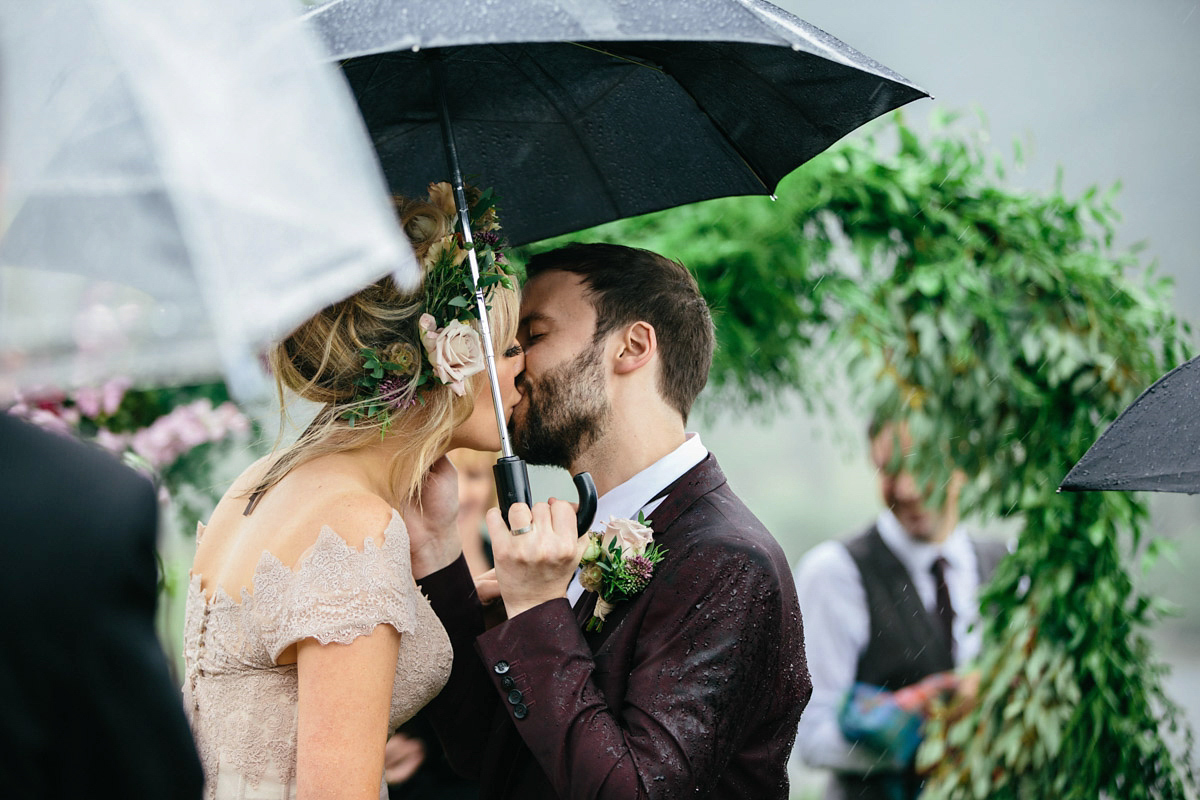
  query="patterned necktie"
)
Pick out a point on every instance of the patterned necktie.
point(945, 611)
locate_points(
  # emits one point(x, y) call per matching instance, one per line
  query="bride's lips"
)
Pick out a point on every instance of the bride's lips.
point(513, 407)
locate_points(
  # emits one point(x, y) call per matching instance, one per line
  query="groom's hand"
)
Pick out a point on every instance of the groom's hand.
point(536, 566)
point(433, 524)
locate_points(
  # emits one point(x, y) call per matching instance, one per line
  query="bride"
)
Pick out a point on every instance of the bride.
point(306, 639)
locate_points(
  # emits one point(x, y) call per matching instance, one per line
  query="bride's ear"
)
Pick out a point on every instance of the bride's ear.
point(636, 348)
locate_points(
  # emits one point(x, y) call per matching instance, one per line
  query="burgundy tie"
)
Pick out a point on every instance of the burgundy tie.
point(945, 610)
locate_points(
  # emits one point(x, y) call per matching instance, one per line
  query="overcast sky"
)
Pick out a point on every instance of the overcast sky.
point(1110, 90)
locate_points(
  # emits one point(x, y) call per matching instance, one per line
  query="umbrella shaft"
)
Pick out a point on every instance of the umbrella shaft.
point(464, 217)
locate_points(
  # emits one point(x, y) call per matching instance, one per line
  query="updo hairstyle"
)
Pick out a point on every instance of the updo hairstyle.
point(320, 361)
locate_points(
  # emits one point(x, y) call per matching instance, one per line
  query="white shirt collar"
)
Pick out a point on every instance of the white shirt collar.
point(624, 501)
point(918, 556)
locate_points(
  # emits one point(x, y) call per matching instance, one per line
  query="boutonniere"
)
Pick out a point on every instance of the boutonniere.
point(618, 564)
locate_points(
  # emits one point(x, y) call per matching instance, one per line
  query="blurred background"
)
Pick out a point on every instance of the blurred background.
point(1107, 91)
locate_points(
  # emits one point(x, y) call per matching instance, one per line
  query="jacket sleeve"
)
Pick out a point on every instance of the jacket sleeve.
point(702, 655)
point(462, 712)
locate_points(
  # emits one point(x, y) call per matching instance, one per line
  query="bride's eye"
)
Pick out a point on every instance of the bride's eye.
point(513, 351)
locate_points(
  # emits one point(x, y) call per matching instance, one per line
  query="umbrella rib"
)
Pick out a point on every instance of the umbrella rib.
point(663, 71)
point(617, 56)
point(550, 97)
point(724, 135)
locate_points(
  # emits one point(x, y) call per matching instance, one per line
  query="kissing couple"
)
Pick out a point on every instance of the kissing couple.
point(329, 600)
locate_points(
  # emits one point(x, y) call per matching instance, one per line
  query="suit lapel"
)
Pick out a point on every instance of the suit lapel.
point(690, 487)
point(584, 606)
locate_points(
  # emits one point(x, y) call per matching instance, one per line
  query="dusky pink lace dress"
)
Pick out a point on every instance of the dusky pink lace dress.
point(243, 706)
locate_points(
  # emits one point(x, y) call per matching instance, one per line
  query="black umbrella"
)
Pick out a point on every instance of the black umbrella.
point(1153, 446)
point(578, 112)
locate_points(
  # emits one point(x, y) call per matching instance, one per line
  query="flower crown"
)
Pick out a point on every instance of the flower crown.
point(451, 348)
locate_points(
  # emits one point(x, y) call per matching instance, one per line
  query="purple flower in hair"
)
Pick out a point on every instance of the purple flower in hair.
point(487, 238)
point(392, 388)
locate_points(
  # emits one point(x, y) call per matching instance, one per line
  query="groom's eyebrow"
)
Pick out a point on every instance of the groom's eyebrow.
point(532, 317)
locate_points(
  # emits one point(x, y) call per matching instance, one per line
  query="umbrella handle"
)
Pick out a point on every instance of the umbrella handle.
point(512, 486)
point(587, 501)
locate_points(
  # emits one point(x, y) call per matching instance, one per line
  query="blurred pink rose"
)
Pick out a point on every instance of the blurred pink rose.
point(89, 401)
point(186, 427)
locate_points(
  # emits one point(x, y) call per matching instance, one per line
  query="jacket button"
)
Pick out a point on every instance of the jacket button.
point(501, 667)
point(520, 711)
point(508, 683)
point(515, 697)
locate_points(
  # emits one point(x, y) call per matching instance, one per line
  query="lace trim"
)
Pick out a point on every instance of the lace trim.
point(337, 593)
point(241, 703)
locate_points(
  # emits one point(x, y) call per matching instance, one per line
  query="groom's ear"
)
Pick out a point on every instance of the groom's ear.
point(635, 349)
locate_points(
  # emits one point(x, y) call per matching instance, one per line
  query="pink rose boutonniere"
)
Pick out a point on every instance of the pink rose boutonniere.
point(455, 351)
point(618, 564)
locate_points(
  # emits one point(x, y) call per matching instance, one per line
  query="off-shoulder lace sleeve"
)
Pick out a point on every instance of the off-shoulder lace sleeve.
point(337, 593)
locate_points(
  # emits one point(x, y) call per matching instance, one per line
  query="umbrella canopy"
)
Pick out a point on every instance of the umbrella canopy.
point(187, 182)
point(580, 113)
point(1153, 446)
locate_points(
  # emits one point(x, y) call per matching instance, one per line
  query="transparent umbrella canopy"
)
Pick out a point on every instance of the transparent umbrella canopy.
point(185, 183)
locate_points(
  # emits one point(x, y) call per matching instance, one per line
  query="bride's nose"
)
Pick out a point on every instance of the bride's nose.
point(519, 377)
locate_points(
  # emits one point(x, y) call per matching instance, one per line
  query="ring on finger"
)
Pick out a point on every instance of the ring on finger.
point(522, 530)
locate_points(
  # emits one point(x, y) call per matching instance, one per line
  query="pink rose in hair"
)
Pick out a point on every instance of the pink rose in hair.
point(455, 351)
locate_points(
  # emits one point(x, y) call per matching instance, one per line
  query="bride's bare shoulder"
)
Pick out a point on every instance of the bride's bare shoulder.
point(351, 512)
point(292, 513)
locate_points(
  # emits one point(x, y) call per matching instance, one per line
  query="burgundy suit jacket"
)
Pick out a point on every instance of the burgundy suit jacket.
point(692, 689)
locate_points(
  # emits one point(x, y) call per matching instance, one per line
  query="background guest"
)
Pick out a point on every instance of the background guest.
point(891, 609)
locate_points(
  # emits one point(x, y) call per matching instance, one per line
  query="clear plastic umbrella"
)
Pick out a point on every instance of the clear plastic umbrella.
point(186, 182)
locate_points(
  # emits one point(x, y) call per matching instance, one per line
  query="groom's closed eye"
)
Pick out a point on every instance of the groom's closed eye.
point(533, 327)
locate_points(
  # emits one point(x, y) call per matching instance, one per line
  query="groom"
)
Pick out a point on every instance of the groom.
point(693, 687)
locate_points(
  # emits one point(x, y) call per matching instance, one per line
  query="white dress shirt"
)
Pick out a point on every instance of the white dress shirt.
point(635, 494)
point(837, 628)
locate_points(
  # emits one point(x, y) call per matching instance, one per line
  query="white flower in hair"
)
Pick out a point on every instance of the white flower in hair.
point(455, 351)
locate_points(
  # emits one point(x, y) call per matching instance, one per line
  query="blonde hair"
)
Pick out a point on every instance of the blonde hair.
point(320, 361)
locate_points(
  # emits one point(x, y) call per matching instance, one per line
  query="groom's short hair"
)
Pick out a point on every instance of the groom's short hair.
point(627, 285)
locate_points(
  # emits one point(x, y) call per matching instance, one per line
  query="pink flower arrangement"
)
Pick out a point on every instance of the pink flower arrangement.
point(156, 431)
point(94, 401)
point(160, 443)
point(186, 427)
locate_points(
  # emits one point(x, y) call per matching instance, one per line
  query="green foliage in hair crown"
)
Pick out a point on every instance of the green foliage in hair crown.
point(446, 346)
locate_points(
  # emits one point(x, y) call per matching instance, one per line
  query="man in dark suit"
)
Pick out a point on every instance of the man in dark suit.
point(86, 702)
point(693, 687)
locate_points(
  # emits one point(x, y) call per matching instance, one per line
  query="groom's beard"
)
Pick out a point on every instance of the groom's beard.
point(565, 412)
